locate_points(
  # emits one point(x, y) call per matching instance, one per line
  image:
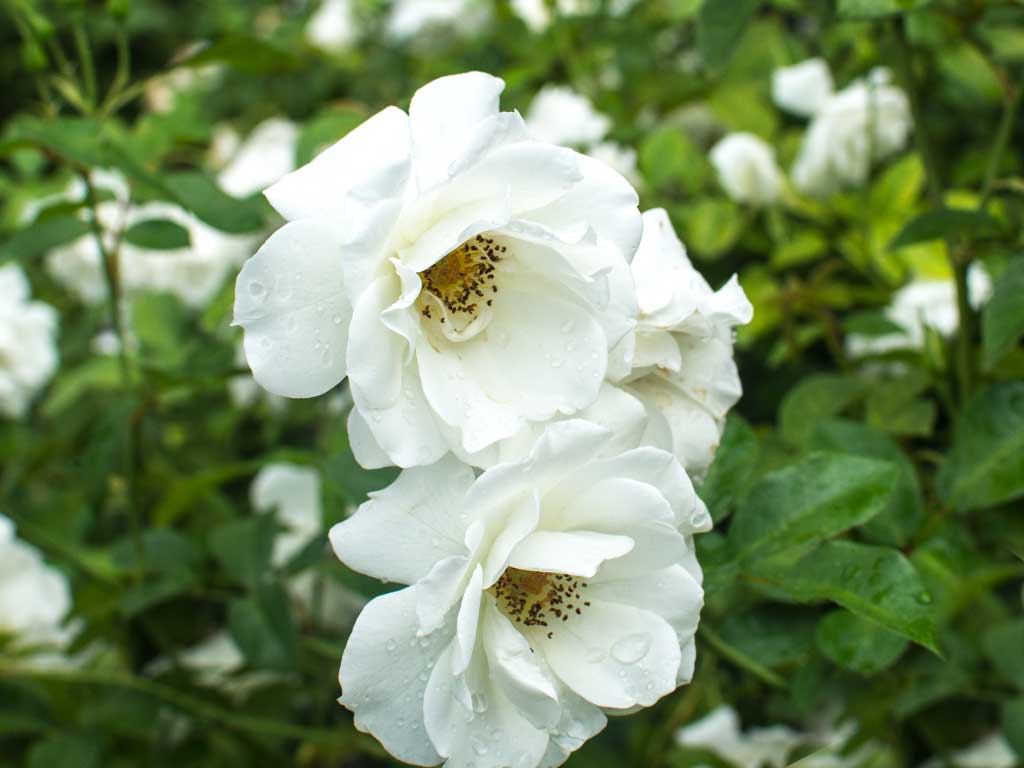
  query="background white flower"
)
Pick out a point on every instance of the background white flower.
point(803, 88)
point(193, 273)
point(28, 346)
point(683, 369)
point(543, 594)
point(923, 304)
point(409, 18)
point(559, 115)
point(35, 598)
point(747, 169)
point(267, 154)
point(992, 751)
point(332, 26)
point(466, 279)
point(867, 121)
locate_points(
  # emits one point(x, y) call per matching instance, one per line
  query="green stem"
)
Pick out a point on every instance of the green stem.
point(739, 658)
point(958, 260)
point(88, 66)
point(1003, 134)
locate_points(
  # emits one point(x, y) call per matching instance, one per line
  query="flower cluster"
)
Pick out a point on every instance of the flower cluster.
point(549, 370)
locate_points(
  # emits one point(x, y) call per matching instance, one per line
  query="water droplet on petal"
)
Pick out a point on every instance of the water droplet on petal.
point(257, 290)
point(479, 747)
point(479, 702)
point(568, 326)
point(391, 645)
point(698, 518)
point(336, 319)
point(595, 655)
point(631, 648)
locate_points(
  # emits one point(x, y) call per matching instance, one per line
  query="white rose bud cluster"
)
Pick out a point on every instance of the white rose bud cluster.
point(28, 346)
point(549, 370)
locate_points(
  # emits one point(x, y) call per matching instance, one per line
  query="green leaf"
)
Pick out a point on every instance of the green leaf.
point(668, 158)
point(985, 466)
point(97, 374)
point(899, 186)
point(814, 499)
point(201, 195)
point(243, 547)
point(43, 235)
point(902, 517)
point(711, 226)
point(732, 470)
point(76, 140)
point(263, 627)
point(775, 635)
point(1013, 725)
point(720, 26)
point(250, 55)
point(893, 405)
point(814, 400)
point(1002, 319)
point(158, 234)
point(1004, 646)
point(878, 583)
point(940, 224)
point(66, 751)
point(858, 644)
point(858, 9)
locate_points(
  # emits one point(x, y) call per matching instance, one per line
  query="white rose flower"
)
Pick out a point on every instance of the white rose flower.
point(291, 493)
point(802, 88)
point(719, 732)
point(28, 347)
point(458, 273)
point(683, 369)
point(542, 595)
point(410, 18)
point(35, 598)
point(559, 115)
point(857, 127)
point(333, 26)
point(747, 169)
point(264, 157)
point(922, 304)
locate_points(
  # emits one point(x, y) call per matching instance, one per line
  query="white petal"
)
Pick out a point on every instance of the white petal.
point(514, 522)
point(440, 590)
point(290, 299)
point(605, 200)
point(615, 656)
point(561, 447)
point(375, 352)
point(513, 667)
point(657, 348)
point(363, 444)
point(541, 355)
point(403, 530)
point(802, 88)
point(371, 163)
point(383, 675)
point(406, 431)
point(579, 553)
point(467, 623)
point(443, 115)
point(488, 733)
point(672, 593)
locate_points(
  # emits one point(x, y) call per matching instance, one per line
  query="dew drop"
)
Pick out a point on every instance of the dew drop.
point(557, 362)
point(568, 326)
point(391, 645)
point(631, 648)
point(257, 290)
point(336, 319)
point(479, 747)
point(595, 655)
point(479, 702)
point(698, 518)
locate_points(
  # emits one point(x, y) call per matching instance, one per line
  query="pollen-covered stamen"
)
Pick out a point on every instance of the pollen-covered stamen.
point(535, 599)
point(464, 280)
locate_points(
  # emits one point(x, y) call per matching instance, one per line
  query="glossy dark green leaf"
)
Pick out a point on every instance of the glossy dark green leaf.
point(814, 400)
point(41, 236)
point(858, 644)
point(732, 470)
point(1004, 646)
point(1013, 725)
point(263, 627)
point(1002, 319)
point(244, 546)
point(859, 9)
point(985, 466)
point(66, 751)
point(903, 515)
point(877, 583)
point(816, 498)
point(775, 635)
point(246, 54)
point(201, 195)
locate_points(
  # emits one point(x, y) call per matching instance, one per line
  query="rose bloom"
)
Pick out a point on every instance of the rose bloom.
point(747, 169)
point(542, 595)
point(860, 125)
point(28, 346)
point(803, 88)
point(466, 279)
